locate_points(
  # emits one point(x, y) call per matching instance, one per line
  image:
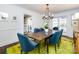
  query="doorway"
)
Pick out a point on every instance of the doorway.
point(27, 23)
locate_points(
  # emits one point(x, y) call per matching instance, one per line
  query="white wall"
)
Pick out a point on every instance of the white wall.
point(68, 14)
point(9, 28)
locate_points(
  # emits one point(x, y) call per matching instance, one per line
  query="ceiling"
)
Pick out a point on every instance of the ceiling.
point(40, 8)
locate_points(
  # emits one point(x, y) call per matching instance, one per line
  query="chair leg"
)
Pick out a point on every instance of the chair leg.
point(21, 51)
point(59, 43)
point(55, 49)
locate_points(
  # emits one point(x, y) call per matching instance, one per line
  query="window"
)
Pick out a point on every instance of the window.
point(75, 16)
point(60, 22)
point(55, 22)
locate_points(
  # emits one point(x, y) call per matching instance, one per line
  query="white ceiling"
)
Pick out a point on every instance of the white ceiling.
point(53, 7)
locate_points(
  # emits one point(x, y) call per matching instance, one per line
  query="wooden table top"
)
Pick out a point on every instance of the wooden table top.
point(39, 36)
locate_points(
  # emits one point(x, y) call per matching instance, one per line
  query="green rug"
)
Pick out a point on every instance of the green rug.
point(66, 47)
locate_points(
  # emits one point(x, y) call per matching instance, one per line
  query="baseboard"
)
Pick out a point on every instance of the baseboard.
point(67, 36)
point(3, 48)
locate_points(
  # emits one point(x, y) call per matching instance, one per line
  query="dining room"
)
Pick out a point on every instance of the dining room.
point(39, 29)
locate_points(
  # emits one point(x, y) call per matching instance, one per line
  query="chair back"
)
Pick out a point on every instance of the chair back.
point(36, 30)
point(55, 28)
point(61, 31)
point(55, 37)
point(24, 42)
point(42, 30)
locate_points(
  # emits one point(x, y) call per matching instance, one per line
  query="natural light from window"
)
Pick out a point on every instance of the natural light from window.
point(60, 22)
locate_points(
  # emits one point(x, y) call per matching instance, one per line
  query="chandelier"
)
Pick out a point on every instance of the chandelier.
point(47, 15)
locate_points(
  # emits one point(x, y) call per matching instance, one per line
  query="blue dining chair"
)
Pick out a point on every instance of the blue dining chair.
point(54, 39)
point(61, 31)
point(55, 28)
point(42, 30)
point(26, 44)
point(36, 30)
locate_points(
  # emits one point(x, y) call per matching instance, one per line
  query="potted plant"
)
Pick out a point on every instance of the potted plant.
point(46, 27)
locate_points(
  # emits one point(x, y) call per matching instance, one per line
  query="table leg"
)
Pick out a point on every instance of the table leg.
point(39, 48)
point(47, 49)
point(47, 43)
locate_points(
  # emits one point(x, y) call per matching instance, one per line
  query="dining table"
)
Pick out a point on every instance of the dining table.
point(39, 37)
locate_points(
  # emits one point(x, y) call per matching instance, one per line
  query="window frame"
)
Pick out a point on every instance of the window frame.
point(59, 22)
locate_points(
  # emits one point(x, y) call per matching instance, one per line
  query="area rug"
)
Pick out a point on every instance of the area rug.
point(66, 47)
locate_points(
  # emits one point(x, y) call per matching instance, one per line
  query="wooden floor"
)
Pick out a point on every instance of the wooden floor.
point(3, 49)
